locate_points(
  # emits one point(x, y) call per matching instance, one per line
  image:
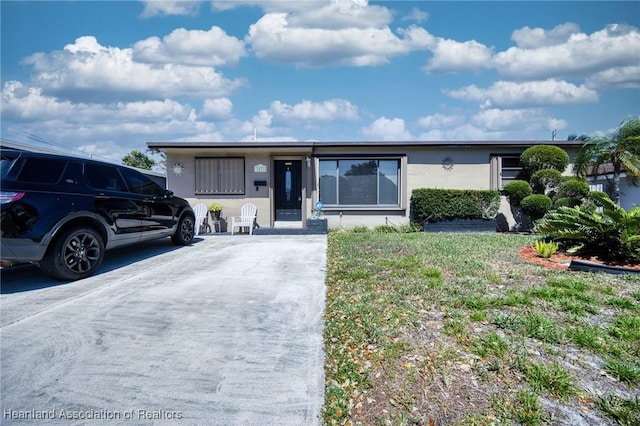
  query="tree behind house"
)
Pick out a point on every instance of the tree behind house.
point(621, 151)
point(138, 159)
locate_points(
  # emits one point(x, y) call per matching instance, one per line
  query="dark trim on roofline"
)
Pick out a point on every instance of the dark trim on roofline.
point(346, 144)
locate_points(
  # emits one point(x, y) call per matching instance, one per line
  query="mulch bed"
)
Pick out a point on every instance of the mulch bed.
point(560, 260)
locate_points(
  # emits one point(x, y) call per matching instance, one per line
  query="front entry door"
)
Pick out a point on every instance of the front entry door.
point(288, 190)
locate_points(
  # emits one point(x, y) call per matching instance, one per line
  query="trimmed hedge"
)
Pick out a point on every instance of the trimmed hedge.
point(573, 187)
point(535, 206)
point(433, 205)
point(516, 190)
point(540, 157)
point(546, 181)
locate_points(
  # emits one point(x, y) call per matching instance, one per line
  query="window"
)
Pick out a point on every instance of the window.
point(104, 177)
point(504, 169)
point(141, 184)
point(360, 182)
point(223, 175)
point(42, 170)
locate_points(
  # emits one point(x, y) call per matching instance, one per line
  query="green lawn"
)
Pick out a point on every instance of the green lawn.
point(456, 329)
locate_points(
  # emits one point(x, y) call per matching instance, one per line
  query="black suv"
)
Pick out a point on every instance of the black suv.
point(63, 212)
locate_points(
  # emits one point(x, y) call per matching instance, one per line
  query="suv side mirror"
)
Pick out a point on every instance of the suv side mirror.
point(168, 193)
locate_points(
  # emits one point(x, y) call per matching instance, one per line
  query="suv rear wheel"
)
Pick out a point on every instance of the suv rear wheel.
point(76, 253)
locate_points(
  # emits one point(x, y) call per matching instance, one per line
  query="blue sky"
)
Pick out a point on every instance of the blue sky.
point(105, 77)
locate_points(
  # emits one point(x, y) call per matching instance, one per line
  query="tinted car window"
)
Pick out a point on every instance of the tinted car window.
point(73, 173)
point(41, 170)
point(104, 177)
point(7, 160)
point(140, 184)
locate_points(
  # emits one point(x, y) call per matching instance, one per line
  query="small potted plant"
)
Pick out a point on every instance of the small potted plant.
point(215, 210)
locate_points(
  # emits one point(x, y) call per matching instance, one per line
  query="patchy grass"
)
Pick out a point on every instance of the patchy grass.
point(456, 329)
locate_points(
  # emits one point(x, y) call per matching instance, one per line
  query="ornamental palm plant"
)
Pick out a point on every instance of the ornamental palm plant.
point(613, 233)
point(621, 150)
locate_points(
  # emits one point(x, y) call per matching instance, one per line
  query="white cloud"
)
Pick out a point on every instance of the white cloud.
point(464, 132)
point(282, 119)
point(437, 121)
point(522, 121)
point(416, 15)
point(260, 123)
point(533, 38)
point(169, 7)
point(329, 110)
point(191, 47)
point(490, 124)
point(205, 136)
point(615, 78)
point(388, 130)
point(87, 70)
point(451, 55)
point(120, 125)
point(532, 93)
point(339, 33)
point(342, 14)
point(23, 103)
point(581, 54)
point(252, 138)
point(261, 127)
point(216, 109)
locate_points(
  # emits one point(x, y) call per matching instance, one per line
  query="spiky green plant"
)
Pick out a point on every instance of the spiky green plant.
point(546, 248)
point(613, 233)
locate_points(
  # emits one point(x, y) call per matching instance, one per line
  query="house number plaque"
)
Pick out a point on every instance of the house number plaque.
point(260, 168)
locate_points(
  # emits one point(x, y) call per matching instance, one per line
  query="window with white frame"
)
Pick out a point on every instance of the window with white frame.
point(219, 175)
point(354, 182)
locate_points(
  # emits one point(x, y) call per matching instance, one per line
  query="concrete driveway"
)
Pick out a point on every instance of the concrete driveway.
point(227, 331)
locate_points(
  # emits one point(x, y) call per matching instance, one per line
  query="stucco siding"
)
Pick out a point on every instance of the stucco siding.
point(472, 165)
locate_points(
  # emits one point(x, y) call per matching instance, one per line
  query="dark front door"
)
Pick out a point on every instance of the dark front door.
point(288, 190)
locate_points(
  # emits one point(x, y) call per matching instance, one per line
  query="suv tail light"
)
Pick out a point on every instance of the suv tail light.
point(9, 197)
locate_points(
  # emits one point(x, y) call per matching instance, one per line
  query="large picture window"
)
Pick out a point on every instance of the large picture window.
point(360, 182)
point(220, 175)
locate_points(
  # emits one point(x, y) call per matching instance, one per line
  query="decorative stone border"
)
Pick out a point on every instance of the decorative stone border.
point(586, 266)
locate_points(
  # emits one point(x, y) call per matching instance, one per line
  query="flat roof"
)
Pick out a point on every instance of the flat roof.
point(346, 144)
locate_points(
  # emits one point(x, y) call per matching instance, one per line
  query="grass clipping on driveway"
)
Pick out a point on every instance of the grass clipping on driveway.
point(445, 329)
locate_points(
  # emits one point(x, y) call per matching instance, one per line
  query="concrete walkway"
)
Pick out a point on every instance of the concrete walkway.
point(227, 331)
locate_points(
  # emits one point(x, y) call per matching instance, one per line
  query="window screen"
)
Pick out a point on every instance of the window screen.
point(504, 169)
point(221, 175)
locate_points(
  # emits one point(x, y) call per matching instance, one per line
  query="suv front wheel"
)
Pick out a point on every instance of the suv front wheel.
point(76, 253)
point(184, 233)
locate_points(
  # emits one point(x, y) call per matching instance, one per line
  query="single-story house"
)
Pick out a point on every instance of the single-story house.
point(359, 183)
point(603, 181)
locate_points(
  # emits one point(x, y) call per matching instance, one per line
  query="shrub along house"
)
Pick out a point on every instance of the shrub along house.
point(359, 183)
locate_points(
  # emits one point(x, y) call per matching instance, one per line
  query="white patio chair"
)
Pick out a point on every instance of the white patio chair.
point(248, 213)
point(201, 211)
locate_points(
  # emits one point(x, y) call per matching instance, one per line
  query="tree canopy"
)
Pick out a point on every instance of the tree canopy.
point(138, 159)
point(620, 151)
